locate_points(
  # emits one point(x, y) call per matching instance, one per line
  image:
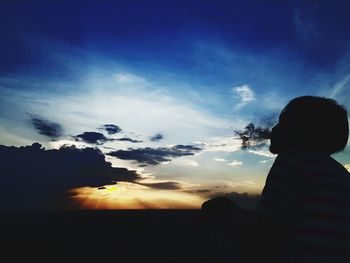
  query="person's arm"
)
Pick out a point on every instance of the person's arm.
point(227, 230)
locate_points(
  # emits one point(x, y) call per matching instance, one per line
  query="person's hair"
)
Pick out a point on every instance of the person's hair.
point(321, 123)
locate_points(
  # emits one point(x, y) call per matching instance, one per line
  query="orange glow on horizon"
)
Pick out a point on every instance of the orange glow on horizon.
point(134, 196)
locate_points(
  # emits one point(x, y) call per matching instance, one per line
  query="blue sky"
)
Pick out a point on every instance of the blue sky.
point(191, 71)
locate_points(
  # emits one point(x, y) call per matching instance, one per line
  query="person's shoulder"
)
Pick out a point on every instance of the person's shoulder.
point(314, 161)
point(304, 156)
point(301, 161)
point(291, 156)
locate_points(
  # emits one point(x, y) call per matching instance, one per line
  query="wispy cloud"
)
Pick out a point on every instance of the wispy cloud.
point(274, 101)
point(183, 162)
point(125, 139)
point(261, 152)
point(235, 163)
point(157, 137)
point(340, 86)
point(220, 159)
point(49, 129)
point(163, 185)
point(223, 144)
point(245, 95)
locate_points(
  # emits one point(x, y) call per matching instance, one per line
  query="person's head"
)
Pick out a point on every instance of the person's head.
point(311, 123)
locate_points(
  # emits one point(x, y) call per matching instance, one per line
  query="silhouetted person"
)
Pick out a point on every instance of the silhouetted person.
point(304, 211)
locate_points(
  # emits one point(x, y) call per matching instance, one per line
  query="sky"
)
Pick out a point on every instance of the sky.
point(135, 104)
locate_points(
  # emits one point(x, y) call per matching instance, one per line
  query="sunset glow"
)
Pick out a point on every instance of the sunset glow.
point(134, 196)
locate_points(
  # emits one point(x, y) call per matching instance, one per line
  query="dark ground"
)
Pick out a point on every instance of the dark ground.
point(102, 236)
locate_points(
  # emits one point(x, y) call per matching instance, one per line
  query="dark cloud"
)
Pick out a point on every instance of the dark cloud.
point(199, 191)
point(164, 185)
point(92, 137)
point(184, 148)
point(50, 129)
point(111, 128)
point(207, 193)
point(203, 191)
point(32, 177)
point(154, 156)
point(157, 137)
point(128, 140)
point(99, 138)
point(253, 136)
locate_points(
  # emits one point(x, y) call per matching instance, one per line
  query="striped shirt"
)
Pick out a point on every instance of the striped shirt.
point(308, 195)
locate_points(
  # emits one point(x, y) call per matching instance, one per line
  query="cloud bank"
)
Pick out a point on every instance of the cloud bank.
point(155, 156)
point(32, 177)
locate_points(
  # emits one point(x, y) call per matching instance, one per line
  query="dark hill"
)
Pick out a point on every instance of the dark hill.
point(102, 236)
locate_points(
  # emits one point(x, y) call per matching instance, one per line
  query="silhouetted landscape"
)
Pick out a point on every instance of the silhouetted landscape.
point(95, 236)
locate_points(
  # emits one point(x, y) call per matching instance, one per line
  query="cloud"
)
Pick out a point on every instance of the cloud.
point(32, 177)
point(340, 86)
point(131, 107)
point(248, 182)
point(253, 136)
point(220, 159)
point(49, 129)
point(128, 140)
point(264, 153)
point(163, 185)
point(183, 162)
point(154, 156)
point(199, 191)
point(245, 95)
point(190, 163)
point(111, 128)
point(156, 137)
point(235, 163)
point(220, 144)
point(92, 137)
